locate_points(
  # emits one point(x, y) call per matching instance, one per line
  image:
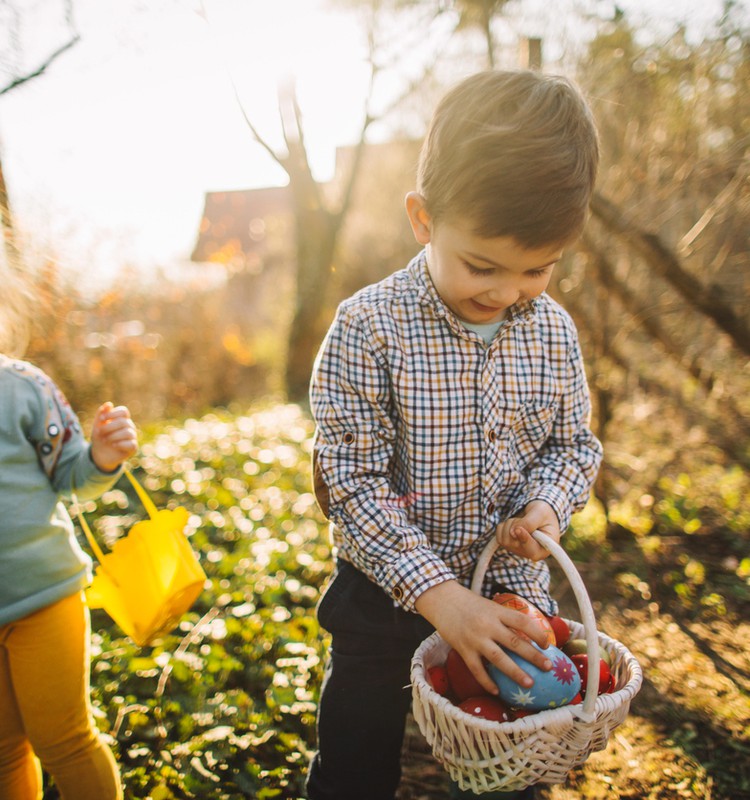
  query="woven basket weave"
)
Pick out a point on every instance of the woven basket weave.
point(482, 755)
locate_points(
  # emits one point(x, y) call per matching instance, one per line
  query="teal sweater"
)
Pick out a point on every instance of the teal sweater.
point(43, 456)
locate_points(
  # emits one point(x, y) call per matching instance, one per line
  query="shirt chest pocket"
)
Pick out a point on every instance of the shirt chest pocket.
point(528, 428)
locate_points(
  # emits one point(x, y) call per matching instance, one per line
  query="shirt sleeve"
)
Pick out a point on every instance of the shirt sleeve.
point(566, 466)
point(351, 404)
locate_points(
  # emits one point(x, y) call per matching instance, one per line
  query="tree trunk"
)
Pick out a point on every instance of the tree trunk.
point(316, 243)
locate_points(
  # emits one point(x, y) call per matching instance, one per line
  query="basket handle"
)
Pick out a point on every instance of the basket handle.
point(582, 598)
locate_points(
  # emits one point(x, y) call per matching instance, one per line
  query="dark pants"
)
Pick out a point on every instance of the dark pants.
point(365, 696)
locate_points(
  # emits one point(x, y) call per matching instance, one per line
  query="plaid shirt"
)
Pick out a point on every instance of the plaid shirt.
point(427, 438)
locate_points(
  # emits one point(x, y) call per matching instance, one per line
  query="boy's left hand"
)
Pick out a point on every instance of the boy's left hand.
point(113, 437)
point(515, 533)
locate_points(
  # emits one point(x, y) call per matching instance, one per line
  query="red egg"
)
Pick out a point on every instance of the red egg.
point(461, 679)
point(582, 665)
point(486, 707)
point(518, 713)
point(561, 630)
point(438, 677)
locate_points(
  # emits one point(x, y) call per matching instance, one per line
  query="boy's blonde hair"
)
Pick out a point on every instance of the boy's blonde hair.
point(513, 154)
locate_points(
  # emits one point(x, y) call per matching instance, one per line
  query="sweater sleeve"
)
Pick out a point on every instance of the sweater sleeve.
point(63, 452)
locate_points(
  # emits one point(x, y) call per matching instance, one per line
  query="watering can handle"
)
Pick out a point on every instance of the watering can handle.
point(145, 499)
point(148, 503)
point(89, 535)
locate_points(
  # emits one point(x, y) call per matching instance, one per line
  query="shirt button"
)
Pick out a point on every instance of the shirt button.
point(492, 436)
point(398, 593)
point(491, 508)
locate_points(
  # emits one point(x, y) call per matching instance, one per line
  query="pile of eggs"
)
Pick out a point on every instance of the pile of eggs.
point(562, 685)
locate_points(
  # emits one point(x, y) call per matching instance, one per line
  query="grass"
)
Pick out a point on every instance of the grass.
point(223, 708)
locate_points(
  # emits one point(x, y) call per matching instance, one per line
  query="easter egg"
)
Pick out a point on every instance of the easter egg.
point(574, 647)
point(461, 679)
point(487, 708)
point(551, 689)
point(561, 629)
point(518, 603)
point(581, 661)
point(438, 677)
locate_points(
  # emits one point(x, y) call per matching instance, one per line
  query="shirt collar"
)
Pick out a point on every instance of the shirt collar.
point(522, 313)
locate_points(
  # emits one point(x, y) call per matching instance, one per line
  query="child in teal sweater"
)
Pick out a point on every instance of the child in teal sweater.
point(44, 622)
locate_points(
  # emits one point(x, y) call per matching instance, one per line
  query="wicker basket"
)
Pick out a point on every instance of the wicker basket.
point(482, 755)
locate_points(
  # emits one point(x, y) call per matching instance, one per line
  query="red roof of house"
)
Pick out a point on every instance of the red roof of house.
point(233, 225)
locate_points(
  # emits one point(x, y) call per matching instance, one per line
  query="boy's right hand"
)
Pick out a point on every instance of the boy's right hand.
point(477, 627)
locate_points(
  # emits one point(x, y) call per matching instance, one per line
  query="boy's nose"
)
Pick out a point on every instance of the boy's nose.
point(504, 298)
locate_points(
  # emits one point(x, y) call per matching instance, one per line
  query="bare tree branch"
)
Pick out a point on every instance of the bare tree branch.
point(702, 373)
point(721, 199)
point(42, 68)
point(647, 321)
point(359, 152)
point(708, 299)
point(256, 134)
point(730, 442)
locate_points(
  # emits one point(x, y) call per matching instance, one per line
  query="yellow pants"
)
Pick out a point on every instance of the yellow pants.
point(45, 708)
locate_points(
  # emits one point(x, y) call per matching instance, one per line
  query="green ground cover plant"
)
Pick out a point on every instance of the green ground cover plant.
point(224, 707)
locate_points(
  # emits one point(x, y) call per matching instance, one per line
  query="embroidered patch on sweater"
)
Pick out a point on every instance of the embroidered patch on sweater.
point(60, 422)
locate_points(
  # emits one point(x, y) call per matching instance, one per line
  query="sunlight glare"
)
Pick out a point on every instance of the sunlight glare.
point(295, 44)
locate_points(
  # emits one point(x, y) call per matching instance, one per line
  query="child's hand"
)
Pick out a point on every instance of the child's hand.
point(515, 534)
point(477, 628)
point(113, 437)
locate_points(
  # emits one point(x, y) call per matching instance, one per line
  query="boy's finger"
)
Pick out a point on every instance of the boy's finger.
point(517, 621)
point(480, 673)
point(499, 658)
point(521, 535)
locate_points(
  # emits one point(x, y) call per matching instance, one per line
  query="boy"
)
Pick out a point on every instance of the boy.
point(451, 405)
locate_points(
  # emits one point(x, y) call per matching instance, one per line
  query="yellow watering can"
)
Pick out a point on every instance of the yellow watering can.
point(151, 577)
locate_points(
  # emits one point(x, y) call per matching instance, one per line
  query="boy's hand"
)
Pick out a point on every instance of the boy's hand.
point(515, 533)
point(113, 437)
point(476, 627)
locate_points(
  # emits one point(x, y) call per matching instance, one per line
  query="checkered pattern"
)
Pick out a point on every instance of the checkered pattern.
point(427, 438)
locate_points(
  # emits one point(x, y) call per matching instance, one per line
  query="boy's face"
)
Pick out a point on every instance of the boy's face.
point(478, 278)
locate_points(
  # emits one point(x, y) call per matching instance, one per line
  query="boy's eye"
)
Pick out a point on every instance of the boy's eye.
point(537, 273)
point(477, 270)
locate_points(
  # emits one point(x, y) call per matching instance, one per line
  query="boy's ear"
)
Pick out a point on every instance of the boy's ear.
point(421, 224)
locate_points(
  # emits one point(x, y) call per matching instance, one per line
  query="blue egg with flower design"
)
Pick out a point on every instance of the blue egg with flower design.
point(551, 689)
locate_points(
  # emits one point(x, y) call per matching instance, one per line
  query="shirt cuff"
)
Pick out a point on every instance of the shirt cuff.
point(554, 497)
point(412, 575)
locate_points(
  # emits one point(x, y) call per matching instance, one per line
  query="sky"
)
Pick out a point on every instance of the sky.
point(108, 155)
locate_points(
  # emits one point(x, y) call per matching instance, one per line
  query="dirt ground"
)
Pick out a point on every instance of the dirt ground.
point(688, 731)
